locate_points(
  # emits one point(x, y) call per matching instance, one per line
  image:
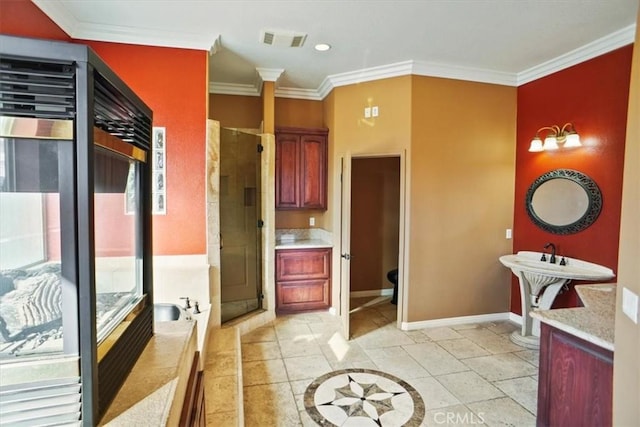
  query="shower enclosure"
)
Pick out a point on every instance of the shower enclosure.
point(240, 223)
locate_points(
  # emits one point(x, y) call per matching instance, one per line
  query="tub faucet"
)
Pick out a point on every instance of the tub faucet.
point(552, 260)
point(187, 303)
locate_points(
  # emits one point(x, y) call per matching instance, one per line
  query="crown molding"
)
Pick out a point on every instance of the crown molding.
point(165, 38)
point(591, 50)
point(58, 14)
point(120, 34)
point(296, 93)
point(369, 74)
point(431, 69)
point(235, 89)
point(270, 74)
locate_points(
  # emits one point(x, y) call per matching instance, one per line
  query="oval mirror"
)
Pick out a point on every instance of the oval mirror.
point(563, 201)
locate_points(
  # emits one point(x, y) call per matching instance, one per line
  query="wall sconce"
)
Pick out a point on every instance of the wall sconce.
point(565, 135)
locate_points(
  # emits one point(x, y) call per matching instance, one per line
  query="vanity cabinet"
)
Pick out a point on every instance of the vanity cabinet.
point(301, 168)
point(575, 385)
point(193, 410)
point(303, 279)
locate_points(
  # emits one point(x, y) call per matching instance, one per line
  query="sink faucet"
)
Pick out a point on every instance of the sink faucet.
point(552, 260)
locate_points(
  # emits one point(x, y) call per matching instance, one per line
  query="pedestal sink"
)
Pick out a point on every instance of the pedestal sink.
point(540, 282)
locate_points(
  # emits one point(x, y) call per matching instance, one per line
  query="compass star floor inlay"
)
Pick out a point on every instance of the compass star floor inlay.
point(363, 397)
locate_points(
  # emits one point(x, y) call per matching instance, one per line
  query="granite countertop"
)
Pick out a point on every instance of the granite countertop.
point(594, 322)
point(303, 238)
point(154, 391)
point(303, 244)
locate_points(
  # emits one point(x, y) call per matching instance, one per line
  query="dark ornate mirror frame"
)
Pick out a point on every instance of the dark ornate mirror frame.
point(589, 186)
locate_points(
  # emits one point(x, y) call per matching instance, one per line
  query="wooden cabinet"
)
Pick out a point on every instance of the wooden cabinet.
point(193, 410)
point(575, 384)
point(301, 168)
point(303, 279)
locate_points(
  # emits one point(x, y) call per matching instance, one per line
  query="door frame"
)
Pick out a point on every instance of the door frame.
point(403, 240)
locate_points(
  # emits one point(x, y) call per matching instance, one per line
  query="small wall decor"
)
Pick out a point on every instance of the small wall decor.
point(159, 177)
point(159, 168)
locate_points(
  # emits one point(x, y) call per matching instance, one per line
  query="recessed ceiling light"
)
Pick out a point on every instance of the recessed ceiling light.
point(322, 47)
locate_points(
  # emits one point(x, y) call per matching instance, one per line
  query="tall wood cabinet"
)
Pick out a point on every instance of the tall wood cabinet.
point(303, 279)
point(575, 385)
point(301, 168)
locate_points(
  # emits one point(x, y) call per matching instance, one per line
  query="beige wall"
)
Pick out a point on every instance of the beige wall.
point(459, 142)
point(390, 133)
point(299, 113)
point(236, 111)
point(462, 172)
point(626, 368)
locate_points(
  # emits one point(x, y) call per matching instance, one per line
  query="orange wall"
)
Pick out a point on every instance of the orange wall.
point(461, 192)
point(594, 97)
point(23, 18)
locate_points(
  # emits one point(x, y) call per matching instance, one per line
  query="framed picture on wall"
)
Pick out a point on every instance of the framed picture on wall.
point(159, 169)
point(158, 176)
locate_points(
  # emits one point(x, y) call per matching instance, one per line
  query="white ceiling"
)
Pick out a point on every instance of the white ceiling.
point(498, 41)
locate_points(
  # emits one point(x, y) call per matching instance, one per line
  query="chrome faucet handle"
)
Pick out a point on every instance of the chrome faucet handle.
point(196, 308)
point(187, 303)
point(544, 257)
point(563, 261)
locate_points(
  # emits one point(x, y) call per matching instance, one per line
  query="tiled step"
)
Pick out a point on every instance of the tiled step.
point(223, 378)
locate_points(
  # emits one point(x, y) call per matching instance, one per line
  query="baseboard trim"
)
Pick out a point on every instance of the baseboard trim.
point(516, 318)
point(450, 321)
point(386, 292)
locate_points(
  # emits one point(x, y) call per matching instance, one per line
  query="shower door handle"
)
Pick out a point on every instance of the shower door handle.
point(221, 241)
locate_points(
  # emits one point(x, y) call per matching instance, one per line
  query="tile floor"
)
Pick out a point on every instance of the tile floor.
point(466, 374)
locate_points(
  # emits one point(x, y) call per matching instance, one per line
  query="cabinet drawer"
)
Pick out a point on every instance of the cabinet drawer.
point(303, 295)
point(303, 264)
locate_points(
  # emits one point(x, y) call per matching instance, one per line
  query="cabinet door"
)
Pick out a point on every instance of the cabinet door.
point(287, 171)
point(575, 382)
point(303, 264)
point(303, 295)
point(313, 182)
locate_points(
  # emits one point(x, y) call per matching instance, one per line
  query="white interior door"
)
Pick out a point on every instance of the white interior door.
point(345, 245)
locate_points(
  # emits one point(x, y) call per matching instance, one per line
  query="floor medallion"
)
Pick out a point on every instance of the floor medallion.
point(363, 397)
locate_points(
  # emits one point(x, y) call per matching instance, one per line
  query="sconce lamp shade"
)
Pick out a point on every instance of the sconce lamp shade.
point(536, 145)
point(550, 143)
point(573, 140)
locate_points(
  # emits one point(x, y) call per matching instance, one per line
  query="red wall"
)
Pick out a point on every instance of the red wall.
point(173, 82)
point(593, 96)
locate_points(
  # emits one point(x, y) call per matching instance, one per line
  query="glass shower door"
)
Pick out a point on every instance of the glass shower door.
point(240, 257)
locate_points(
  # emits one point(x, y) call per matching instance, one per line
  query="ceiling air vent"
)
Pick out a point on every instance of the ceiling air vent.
point(282, 38)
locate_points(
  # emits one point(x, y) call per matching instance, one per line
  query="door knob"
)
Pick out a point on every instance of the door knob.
point(346, 256)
